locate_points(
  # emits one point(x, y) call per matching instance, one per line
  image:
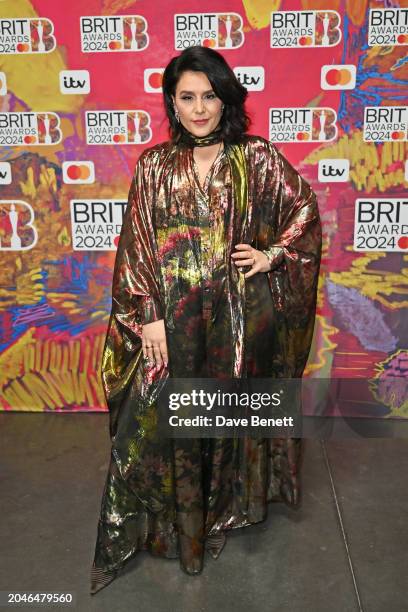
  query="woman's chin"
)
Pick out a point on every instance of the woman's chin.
point(200, 130)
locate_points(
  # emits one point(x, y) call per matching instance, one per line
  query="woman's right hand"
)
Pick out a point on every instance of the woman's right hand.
point(154, 343)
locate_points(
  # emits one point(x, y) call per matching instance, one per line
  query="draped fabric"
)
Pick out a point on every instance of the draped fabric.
point(178, 497)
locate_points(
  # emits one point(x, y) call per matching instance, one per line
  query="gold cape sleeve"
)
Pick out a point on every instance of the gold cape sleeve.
point(290, 229)
point(136, 294)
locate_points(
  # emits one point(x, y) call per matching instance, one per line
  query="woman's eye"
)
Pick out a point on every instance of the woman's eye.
point(208, 97)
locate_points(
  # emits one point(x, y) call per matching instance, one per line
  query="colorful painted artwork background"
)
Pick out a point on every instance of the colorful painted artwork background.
point(55, 301)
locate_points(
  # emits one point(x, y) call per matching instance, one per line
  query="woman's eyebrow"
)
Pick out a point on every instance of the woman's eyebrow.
point(192, 92)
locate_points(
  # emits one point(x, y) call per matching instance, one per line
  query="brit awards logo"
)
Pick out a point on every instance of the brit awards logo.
point(385, 123)
point(26, 35)
point(96, 224)
point(117, 127)
point(215, 30)
point(114, 33)
point(388, 26)
point(17, 230)
point(381, 225)
point(302, 124)
point(25, 129)
point(294, 29)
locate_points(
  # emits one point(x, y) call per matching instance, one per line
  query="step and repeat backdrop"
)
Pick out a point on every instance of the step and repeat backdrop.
point(80, 98)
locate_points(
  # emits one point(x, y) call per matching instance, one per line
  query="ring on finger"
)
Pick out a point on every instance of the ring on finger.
point(149, 355)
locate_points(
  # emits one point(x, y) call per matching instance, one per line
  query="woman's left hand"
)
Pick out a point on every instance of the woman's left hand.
point(246, 255)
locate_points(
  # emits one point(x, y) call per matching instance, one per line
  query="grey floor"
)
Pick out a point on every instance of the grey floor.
point(344, 549)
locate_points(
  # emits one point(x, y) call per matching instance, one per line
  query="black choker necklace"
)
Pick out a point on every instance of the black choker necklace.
point(189, 139)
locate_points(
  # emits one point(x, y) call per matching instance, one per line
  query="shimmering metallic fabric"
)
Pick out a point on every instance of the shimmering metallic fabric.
point(176, 497)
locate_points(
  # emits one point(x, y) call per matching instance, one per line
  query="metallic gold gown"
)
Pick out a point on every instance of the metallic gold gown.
point(176, 497)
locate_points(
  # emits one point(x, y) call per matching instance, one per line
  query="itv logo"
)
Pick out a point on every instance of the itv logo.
point(334, 170)
point(5, 173)
point(3, 84)
point(251, 77)
point(74, 82)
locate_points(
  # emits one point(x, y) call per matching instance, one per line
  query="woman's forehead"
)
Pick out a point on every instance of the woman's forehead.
point(193, 81)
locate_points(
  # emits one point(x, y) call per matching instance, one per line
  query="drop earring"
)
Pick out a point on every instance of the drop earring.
point(176, 113)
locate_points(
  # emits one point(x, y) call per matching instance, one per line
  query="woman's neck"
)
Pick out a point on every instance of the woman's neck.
point(208, 152)
point(191, 140)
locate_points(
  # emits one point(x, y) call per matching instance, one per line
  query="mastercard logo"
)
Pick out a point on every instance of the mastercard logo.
point(153, 78)
point(302, 136)
point(403, 242)
point(402, 39)
point(209, 42)
point(398, 135)
point(115, 45)
point(118, 138)
point(337, 76)
point(342, 76)
point(79, 172)
point(305, 41)
point(23, 47)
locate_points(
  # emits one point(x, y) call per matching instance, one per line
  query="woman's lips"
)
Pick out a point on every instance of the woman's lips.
point(200, 121)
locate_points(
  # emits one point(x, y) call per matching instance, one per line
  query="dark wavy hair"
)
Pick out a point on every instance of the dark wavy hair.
point(234, 119)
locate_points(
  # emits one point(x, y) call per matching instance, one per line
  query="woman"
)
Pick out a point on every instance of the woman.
point(216, 276)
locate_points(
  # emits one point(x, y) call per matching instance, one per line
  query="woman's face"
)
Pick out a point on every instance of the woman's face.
point(198, 106)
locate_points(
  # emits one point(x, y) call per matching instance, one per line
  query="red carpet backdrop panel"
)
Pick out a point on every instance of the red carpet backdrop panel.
point(80, 97)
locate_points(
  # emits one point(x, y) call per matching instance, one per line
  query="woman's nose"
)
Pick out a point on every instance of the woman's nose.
point(199, 107)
